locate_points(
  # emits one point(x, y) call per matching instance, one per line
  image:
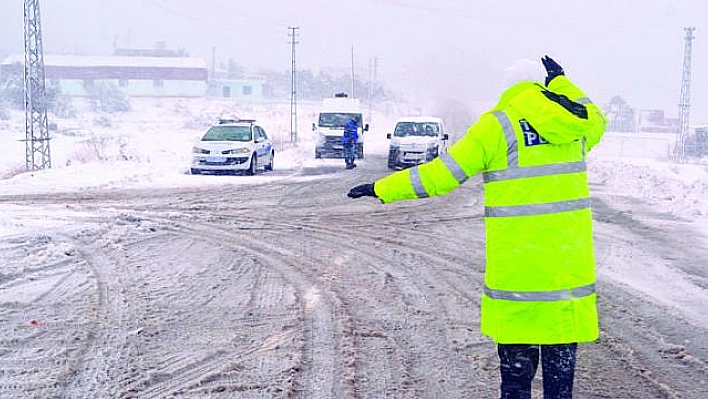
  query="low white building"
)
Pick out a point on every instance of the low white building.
point(136, 76)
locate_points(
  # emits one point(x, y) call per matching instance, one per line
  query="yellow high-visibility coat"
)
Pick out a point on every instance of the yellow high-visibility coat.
point(540, 266)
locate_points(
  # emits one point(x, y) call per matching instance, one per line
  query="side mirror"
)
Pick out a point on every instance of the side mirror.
point(445, 136)
point(314, 127)
point(388, 136)
point(366, 127)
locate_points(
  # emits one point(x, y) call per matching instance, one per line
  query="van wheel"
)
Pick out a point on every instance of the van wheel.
point(253, 168)
point(432, 154)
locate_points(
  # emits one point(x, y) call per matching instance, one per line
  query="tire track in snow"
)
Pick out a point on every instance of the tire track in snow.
point(318, 321)
point(42, 340)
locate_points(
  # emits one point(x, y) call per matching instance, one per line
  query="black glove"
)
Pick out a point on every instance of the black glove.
point(362, 190)
point(574, 108)
point(552, 68)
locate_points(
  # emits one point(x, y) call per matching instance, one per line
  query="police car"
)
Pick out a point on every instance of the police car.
point(233, 145)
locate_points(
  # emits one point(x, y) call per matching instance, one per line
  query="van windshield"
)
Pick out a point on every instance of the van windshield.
point(338, 119)
point(404, 129)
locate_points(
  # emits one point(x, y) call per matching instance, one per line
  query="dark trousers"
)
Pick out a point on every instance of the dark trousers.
point(518, 364)
point(349, 154)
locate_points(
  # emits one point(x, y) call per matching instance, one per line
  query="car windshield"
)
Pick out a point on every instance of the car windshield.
point(228, 133)
point(337, 119)
point(404, 129)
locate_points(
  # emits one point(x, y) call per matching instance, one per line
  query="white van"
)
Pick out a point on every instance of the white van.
point(416, 140)
point(332, 119)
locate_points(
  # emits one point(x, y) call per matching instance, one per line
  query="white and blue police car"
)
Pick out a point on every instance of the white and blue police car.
point(233, 145)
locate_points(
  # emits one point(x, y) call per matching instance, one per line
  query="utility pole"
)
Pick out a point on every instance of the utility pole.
point(371, 87)
point(353, 96)
point(373, 65)
point(685, 101)
point(213, 63)
point(293, 87)
point(37, 155)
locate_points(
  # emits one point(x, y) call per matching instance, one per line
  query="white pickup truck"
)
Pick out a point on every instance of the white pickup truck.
point(416, 140)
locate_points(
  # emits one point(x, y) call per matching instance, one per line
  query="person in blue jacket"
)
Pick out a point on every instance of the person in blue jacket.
point(349, 140)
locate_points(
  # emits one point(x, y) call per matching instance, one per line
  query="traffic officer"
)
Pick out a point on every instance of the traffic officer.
point(539, 299)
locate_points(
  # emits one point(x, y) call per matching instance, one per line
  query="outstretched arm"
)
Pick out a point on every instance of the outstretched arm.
point(467, 157)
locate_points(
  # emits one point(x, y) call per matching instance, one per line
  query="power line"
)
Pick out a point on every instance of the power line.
point(472, 11)
point(211, 20)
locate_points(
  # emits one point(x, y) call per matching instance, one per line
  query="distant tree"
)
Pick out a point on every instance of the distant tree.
point(107, 97)
point(325, 84)
point(234, 70)
point(12, 87)
point(4, 115)
point(307, 84)
point(63, 107)
point(457, 116)
point(315, 87)
point(278, 83)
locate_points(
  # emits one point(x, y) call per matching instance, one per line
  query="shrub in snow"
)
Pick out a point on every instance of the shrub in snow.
point(107, 97)
point(201, 122)
point(181, 108)
point(105, 149)
point(103, 121)
point(63, 107)
point(87, 151)
point(12, 88)
point(12, 170)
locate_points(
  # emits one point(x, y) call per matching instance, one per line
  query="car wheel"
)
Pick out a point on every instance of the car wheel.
point(392, 156)
point(194, 171)
point(269, 167)
point(253, 168)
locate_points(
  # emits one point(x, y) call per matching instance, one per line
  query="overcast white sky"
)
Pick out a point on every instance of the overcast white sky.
point(454, 49)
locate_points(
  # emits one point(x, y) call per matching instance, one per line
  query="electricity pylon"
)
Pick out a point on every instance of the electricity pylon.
point(685, 101)
point(36, 128)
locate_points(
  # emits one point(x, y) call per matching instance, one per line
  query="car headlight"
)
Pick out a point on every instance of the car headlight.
point(236, 151)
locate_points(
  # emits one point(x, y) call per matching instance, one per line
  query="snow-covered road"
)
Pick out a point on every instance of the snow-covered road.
point(287, 288)
point(128, 278)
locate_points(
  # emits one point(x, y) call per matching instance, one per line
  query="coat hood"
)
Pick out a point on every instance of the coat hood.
point(551, 120)
point(523, 70)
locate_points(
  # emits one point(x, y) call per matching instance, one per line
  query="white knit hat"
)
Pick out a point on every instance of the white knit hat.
point(521, 71)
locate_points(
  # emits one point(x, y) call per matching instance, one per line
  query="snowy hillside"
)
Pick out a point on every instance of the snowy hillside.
point(150, 145)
